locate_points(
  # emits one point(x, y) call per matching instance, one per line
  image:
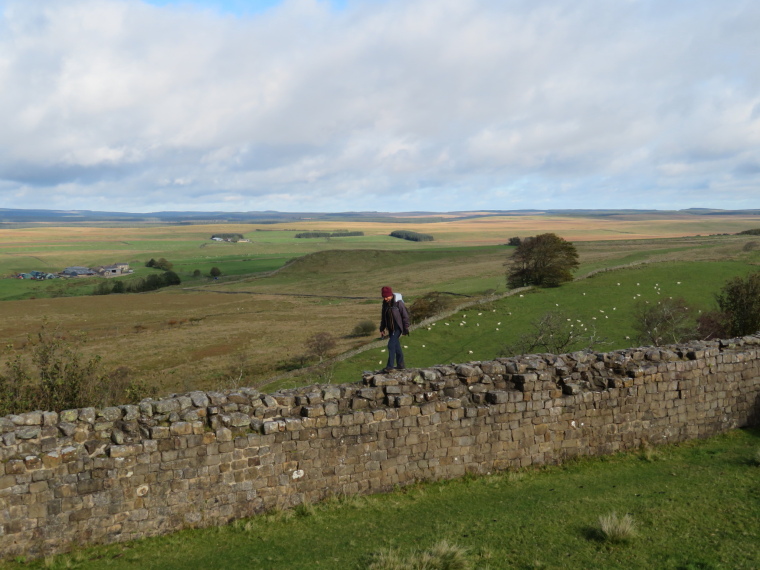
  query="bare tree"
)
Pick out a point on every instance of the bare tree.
point(668, 321)
point(320, 344)
point(556, 333)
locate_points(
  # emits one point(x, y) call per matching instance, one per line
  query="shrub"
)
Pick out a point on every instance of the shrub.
point(215, 272)
point(197, 273)
point(739, 300)
point(51, 373)
point(364, 328)
point(429, 305)
point(616, 530)
point(514, 241)
point(712, 324)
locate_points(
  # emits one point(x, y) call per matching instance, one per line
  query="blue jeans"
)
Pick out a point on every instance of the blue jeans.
point(394, 350)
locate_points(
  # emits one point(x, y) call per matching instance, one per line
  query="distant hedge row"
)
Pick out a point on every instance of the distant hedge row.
point(328, 234)
point(411, 236)
point(755, 232)
point(150, 283)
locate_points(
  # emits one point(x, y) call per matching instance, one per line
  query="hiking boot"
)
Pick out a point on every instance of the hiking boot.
point(388, 369)
point(402, 367)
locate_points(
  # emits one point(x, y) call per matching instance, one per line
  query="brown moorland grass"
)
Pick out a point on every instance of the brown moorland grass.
point(185, 341)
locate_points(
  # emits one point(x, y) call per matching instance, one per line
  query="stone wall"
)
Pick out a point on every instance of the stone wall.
point(205, 458)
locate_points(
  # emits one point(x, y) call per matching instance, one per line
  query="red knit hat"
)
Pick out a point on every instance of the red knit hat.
point(386, 292)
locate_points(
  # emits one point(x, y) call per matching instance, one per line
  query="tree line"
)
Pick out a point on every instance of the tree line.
point(327, 234)
point(140, 285)
point(411, 236)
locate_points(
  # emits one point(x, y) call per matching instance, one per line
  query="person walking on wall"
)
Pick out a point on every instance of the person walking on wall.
point(394, 322)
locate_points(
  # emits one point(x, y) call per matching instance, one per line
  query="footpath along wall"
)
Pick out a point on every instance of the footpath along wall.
point(205, 458)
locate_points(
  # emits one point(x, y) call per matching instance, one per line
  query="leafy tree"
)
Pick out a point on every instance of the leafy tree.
point(215, 272)
point(151, 263)
point(164, 264)
point(118, 287)
point(545, 260)
point(152, 282)
point(103, 288)
point(514, 241)
point(171, 278)
point(739, 300)
point(669, 321)
point(197, 273)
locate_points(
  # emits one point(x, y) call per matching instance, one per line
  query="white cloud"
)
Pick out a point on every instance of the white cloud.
point(476, 104)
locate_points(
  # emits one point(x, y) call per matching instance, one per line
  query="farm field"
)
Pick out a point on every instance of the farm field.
point(246, 327)
point(694, 505)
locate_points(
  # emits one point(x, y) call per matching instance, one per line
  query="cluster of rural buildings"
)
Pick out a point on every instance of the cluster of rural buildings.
point(79, 271)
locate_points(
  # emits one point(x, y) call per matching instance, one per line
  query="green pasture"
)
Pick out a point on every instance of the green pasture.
point(695, 506)
point(603, 303)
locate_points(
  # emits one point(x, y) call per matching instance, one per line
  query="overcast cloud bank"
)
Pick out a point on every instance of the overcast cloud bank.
point(391, 105)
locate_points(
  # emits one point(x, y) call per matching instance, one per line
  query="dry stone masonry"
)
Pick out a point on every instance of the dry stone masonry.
point(205, 458)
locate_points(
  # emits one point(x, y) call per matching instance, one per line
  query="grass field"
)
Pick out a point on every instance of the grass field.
point(694, 506)
point(246, 326)
point(603, 303)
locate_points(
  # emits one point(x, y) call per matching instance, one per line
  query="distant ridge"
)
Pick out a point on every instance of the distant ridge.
point(20, 216)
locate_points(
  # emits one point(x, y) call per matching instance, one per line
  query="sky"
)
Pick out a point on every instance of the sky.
point(379, 105)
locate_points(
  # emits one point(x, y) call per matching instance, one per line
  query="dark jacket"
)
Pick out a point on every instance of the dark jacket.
point(394, 316)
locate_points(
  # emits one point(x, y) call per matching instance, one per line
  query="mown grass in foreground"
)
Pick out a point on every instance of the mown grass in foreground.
point(694, 505)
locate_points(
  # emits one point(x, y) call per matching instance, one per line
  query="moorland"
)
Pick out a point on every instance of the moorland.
point(250, 325)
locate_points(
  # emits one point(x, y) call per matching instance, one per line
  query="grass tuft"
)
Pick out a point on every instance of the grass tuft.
point(648, 453)
point(617, 530)
point(305, 509)
point(757, 458)
point(442, 556)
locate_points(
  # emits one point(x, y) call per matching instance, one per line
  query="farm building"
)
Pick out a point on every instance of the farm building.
point(78, 271)
point(113, 270)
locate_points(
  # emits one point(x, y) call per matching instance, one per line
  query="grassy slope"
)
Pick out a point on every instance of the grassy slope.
point(603, 303)
point(696, 505)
